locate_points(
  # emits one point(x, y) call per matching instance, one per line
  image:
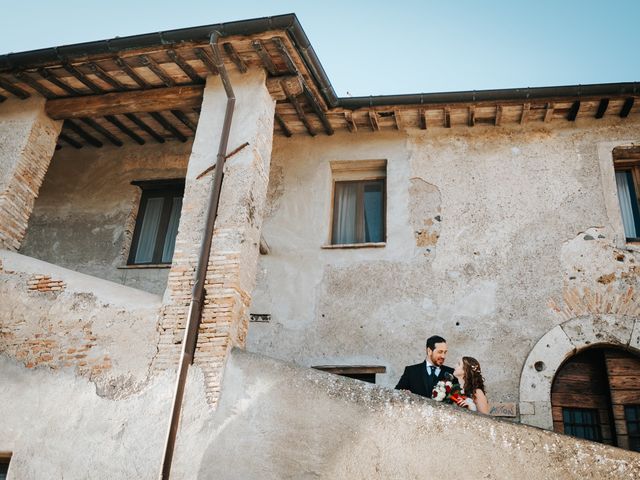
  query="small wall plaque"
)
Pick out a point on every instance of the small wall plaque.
point(502, 409)
point(260, 317)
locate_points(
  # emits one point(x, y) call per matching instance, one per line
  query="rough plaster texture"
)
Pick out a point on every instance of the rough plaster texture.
point(86, 212)
point(27, 142)
point(98, 329)
point(524, 242)
point(234, 248)
point(349, 429)
point(58, 426)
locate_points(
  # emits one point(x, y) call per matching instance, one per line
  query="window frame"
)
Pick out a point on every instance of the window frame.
point(360, 208)
point(627, 159)
point(167, 190)
point(358, 171)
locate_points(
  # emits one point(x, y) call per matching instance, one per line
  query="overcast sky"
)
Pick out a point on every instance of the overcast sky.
point(384, 47)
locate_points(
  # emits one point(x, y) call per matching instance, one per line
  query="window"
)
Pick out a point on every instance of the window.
point(582, 423)
point(627, 167)
point(365, 373)
point(632, 417)
point(359, 202)
point(157, 222)
point(5, 458)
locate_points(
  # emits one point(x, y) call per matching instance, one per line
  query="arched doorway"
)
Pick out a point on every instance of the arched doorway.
point(595, 395)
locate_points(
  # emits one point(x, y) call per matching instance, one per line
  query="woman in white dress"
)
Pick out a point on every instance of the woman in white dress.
point(471, 381)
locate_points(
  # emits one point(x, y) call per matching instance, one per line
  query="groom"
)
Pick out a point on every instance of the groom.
point(421, 378)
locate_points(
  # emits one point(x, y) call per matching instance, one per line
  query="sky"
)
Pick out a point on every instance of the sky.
point(384, 47)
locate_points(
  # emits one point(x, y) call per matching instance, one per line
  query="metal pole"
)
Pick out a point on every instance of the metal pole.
point(195, 307)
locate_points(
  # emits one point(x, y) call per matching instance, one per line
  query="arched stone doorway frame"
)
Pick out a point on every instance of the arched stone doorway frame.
point(560, 343)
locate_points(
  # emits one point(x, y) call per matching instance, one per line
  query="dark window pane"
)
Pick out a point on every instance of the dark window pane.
point(632, 417)
point(374, 212)
point(582, 423)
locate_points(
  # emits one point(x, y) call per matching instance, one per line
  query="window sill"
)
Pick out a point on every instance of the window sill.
point(154, 265)
point(356, 245)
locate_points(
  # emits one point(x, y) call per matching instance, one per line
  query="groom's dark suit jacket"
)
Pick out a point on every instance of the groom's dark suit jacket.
point(416, 379)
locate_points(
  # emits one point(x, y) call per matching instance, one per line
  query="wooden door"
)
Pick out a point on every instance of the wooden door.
point(596, 395)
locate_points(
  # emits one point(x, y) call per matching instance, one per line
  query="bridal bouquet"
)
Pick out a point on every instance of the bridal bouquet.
point(447, 391)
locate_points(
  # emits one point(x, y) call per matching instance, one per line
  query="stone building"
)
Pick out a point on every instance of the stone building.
point(348, 230)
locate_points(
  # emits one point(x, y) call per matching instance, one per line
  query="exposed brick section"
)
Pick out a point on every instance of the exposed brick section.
point(44, 283)
point(611, 300)
point(57, 345)
point(25, 170)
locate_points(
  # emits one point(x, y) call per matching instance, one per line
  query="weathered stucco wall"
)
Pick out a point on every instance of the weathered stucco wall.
point(55, 318)
point(85, 215)
point(494, 237)
point(57, 426)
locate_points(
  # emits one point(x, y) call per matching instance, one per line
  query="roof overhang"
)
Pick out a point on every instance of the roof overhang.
point(149, 87)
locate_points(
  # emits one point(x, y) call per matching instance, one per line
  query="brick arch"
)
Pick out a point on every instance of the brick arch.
point(557, 345)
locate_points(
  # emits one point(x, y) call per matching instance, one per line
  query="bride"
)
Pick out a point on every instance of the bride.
point(471, 381)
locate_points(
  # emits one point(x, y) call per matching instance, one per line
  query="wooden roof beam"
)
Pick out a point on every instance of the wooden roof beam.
point(472, 116)
point(235, 58)
point(184, 66)
point(291, 66)
point(152, 65)
point(103, 131)
point(526, 108)
point(37, 86)
point(53, 79)
point(397, 119)
point(548, 114)
point(124, 129)
point(291, 96)
point(423, 118)
point(167, 125)
point(498, 119)
point(142, 83)
point(283, 126)
point(70, 141)
point(626, 107)
point(158, 99)
point(602, 107)
point(82, 78)
point(373, 120)
point(207, 60)
point(150, 131)
point(573, 111)
point(351, 123)
point(264, 56)
point(180, 115)
point(13, 89)
point(81, 133)
point(99, 72)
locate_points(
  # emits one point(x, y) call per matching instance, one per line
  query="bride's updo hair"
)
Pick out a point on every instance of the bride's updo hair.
point(473, 378)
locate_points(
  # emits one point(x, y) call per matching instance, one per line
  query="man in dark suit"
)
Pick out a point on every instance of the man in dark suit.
point(421, 378)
